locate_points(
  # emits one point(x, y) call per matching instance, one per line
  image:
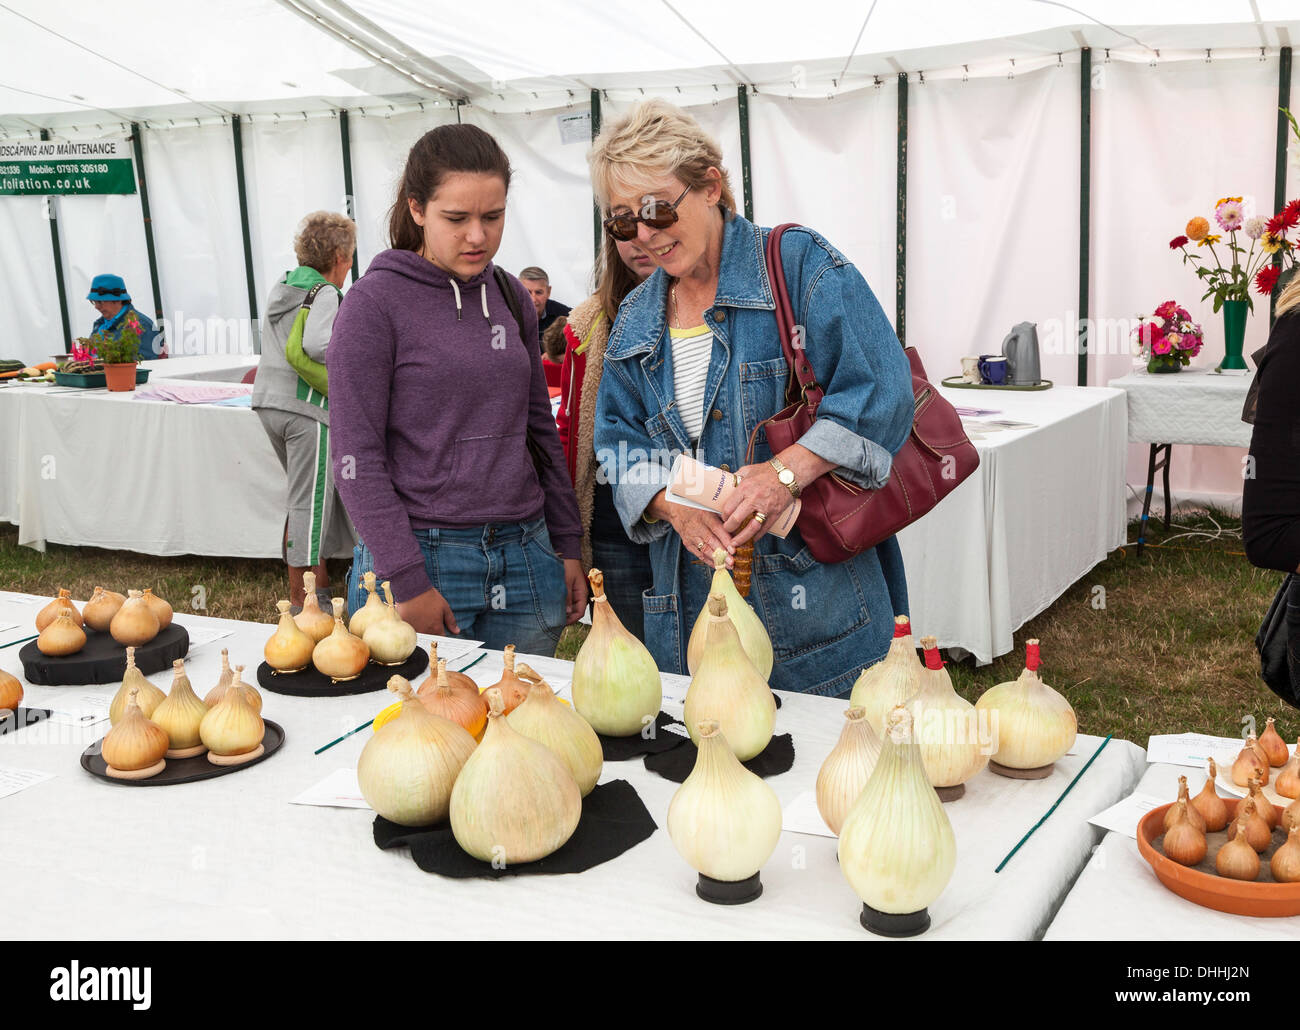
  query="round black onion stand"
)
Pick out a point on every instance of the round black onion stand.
point(729, 892)
point(1039, 773)
point(102, 659)
point(889, 924)
point(947, 794)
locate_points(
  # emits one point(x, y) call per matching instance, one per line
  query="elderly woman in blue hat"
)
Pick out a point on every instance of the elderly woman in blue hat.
point(109, 297)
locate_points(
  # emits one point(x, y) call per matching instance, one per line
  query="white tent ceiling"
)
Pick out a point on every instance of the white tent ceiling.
point(82, 63)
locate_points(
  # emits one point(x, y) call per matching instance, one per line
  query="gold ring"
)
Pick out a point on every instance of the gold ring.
point(760, 517)
point(699, 546)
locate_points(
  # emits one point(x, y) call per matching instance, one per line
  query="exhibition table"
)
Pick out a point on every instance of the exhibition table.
point(1118, 897)
point(1191, 406)
point(233, 858)
point(1045, 505)
point(217, 368)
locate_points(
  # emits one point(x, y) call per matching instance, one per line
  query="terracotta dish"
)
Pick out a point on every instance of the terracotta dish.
point(1212, 891)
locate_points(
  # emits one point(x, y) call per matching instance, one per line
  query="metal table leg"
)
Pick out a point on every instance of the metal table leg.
point(1154, 466)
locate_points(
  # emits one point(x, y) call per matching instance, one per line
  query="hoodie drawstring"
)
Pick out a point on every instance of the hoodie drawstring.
point(483, 295)
point(456, 290)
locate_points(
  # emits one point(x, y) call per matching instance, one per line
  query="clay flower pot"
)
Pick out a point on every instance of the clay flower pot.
point(119, 378)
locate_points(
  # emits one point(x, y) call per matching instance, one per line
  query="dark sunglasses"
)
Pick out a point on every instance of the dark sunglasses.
point(623, 227)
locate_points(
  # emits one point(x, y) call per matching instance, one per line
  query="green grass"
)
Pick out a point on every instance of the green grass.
point(1171, 651)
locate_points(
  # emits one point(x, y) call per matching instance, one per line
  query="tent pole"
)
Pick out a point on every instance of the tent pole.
point(52, 211)
point(900, 243)
point(138, 142)
point(595, 207)
point(1085, 204)
point(1283, 130)
point(238, 135)
point(746, 177)
point(345, 140)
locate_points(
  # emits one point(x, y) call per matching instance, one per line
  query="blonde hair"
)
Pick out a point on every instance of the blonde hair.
point(653, 141)
point(322, 237)
point(1289, 297)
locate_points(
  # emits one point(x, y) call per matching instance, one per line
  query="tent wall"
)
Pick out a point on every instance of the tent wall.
point(992, 206)
point(195, 208)
point(1168, 142)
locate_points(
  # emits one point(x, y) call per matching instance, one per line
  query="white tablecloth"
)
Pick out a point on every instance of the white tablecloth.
point(160, 478)
point(1044, 507)
point(1118, 897)
point(221, 368)
point(231, 858)
point(1194, 406)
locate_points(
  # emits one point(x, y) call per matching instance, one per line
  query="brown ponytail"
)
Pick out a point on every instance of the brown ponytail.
point(438, 153)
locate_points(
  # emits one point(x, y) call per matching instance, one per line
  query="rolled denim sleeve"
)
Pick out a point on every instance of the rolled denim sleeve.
point(626, 455)
point(866, 413)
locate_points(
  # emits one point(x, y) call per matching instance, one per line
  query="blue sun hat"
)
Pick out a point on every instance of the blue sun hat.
point(108, 287)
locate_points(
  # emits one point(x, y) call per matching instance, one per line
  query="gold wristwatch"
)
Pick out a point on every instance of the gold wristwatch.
point(785, 477)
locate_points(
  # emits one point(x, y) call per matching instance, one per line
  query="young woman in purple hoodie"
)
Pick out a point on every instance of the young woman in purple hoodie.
point(445, 453)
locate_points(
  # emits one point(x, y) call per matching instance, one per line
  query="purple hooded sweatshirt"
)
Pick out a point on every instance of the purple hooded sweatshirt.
point(431, 387)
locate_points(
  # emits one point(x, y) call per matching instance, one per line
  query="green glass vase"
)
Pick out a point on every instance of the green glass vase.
point(1234, 332)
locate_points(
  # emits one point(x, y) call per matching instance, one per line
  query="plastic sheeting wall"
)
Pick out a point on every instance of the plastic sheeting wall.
point(992, 206)
point(195, 207)
point(832, 165)
point(1168, 142)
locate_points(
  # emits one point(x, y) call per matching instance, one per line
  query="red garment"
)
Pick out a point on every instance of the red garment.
point(571, 373)
point(552, 371)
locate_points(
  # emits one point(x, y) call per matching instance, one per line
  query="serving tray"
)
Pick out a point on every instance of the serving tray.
point(958, 383)
point(182, 770)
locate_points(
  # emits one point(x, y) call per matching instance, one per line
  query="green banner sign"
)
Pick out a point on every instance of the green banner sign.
point(84, 167)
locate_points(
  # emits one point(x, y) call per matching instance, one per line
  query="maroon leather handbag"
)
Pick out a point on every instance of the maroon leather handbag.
point(840, 519)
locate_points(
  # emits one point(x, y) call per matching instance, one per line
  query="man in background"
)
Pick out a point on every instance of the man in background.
point(538, 285)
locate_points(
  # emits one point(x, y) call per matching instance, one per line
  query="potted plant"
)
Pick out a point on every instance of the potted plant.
point(1169, 339)
point(119, 352)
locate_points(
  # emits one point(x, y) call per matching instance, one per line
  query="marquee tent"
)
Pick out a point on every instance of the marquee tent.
point(1019, 121)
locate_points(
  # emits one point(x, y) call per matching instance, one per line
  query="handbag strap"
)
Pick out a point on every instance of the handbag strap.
point(794, 338)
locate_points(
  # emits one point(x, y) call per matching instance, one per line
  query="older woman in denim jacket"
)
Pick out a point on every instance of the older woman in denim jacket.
point(694, 363)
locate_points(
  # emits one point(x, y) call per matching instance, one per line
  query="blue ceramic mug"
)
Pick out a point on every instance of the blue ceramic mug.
point(993, 369)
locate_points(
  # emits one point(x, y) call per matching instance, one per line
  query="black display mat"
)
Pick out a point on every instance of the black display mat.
point(183, 770)
point(103, 659)
point(676, 765)
point(310, 683)
point(624, 749)
point(614, 820)
point(21, 718)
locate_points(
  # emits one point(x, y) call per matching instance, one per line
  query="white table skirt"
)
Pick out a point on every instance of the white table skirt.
point(1118, 896)
point(231, 858)
point(1194, 406)
point(160, 479)
point(1044, 507)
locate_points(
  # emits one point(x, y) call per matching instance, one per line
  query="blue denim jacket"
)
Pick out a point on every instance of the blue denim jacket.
point(826, 621)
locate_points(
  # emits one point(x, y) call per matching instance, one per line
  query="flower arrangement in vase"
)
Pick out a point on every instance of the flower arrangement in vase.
point(1169, 339)
point(1227, 278)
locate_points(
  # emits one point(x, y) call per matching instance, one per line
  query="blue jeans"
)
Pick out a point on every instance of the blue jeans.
point(627, 576)
point(503, 582)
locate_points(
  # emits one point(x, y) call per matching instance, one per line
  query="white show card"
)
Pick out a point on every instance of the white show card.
point(14, 780)
point(204, 635)
point(1190, 749)
point(1124, 816)
point(802, 816)
point(338, 790)
point(449, 648)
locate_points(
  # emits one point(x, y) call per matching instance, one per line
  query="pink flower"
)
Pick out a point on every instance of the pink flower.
point(1160, 345)
point(1167, 310)
point(1230, 215)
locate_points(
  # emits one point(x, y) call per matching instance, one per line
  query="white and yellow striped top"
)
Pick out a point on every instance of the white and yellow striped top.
point(692, 350)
